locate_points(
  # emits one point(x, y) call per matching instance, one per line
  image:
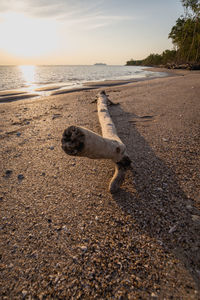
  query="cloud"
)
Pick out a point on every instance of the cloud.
point(84, 15)
point(6, 5)
point(58, 8)
point(95, 21)
point(49, 8)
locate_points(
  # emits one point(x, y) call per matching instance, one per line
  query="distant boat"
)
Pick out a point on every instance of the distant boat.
point(100, 64)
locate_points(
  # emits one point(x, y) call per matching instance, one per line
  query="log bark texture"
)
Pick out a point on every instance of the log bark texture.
point(79, 141)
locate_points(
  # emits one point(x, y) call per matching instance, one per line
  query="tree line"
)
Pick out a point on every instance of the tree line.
point(185, 36)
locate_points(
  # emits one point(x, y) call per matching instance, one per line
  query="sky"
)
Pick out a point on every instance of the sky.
point(84, 31)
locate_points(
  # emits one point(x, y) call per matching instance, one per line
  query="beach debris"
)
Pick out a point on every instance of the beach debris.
point(196, 218)
point(51, 147)
point(173, 228)
point(18, 134)
point(65, 228)
point(189, 207)
point(24, 293)
point(94, 101)
point(8, 173)
point(159, 189)
point(83, 248)
point(20, 177)
point(55, 116)
point(154, 296)
point(79, 141)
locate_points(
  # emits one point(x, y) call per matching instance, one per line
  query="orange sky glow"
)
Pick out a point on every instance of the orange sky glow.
point(84, 32)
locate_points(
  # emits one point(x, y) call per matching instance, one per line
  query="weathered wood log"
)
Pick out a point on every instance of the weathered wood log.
point(79, 141)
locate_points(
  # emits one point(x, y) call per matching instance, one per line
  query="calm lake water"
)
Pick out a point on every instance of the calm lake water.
point(31, 77)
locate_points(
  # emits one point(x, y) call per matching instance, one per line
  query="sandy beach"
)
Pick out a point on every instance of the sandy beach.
point(63, 235)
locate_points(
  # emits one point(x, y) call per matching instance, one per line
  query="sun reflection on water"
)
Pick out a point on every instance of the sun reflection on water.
point(28, 74)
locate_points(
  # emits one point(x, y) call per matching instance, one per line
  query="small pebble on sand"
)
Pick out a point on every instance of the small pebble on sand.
point(20, 177)
point(8, 173)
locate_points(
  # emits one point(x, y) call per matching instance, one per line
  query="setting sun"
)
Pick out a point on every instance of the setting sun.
point(27, 36)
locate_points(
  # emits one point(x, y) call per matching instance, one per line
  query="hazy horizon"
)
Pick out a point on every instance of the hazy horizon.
point(61, 64)
point(58, 32)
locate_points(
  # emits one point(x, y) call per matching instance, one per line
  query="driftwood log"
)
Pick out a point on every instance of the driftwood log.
point(79, 141)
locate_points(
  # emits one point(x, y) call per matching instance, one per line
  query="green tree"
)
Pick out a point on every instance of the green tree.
point(193, 8)
point(185, 34)
point(153, 60)
point(192, 5)
point(168, 56)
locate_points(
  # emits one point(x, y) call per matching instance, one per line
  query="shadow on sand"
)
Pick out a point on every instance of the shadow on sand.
point(153, 197)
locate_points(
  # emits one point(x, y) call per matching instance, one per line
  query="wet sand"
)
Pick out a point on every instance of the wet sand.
point(63, 236)
point(63, 88)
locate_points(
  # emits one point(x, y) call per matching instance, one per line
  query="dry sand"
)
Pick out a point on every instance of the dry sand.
point(63, 236)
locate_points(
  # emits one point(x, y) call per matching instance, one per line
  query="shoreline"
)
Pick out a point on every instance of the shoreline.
point(63, 235)
point(57, 89)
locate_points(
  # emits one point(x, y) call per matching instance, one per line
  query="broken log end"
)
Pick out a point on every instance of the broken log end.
point(73, 140)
